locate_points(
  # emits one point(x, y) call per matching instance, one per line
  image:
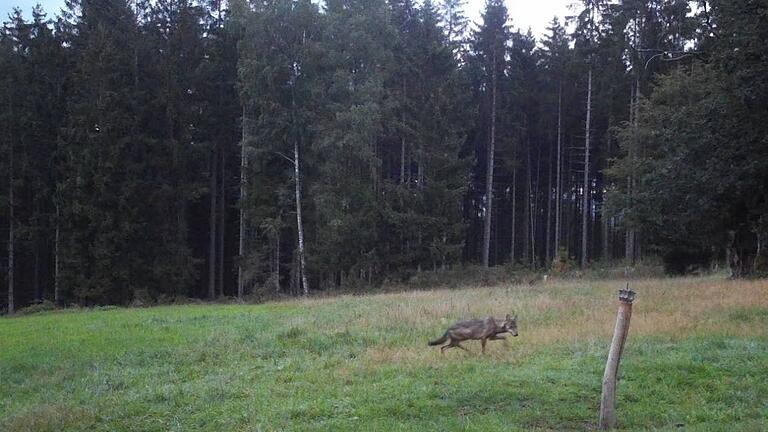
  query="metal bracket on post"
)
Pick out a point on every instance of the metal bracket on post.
point(608, 399)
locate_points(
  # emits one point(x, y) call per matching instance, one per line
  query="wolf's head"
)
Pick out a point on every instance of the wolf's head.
point(510, 324)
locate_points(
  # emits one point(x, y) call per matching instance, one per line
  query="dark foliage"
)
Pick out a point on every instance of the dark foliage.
point(151, 148)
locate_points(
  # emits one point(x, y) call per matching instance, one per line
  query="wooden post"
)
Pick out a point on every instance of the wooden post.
point(608, 399)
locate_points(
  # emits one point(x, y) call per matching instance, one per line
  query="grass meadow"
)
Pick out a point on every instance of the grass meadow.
point(696, 360)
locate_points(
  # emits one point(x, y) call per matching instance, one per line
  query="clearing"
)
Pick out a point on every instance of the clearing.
point(696, 357)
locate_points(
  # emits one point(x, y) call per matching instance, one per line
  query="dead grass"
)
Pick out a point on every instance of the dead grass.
point(563, 312)
point(48, 417)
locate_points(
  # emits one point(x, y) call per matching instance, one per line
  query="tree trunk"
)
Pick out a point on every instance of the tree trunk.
point(302, 273)
point(636, 236)
point(489, 171)
point(525, 255)
point(548, 248)
point(585, 204)
point(402, 140)
point(277, 261)
point(36, 275)
point(420, 173)
point(742, 251)
point(57, 240)
point(222, 222)
point(565, 216)
point(535, 207)
point(243, 181)
point(402, 160)
point(604, 219)
point(558, 187)
point(11, 232)
point(629, 248)
point(761, 254)
point(212, 228)
point(606, 236)
point(514, 213)
point(299, 225)
point(531, 210)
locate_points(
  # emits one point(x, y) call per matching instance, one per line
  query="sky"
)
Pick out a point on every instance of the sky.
point(535, 14)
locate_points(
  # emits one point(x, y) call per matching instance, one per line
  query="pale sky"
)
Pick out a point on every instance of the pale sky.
point(51, 7)
point(535, 14)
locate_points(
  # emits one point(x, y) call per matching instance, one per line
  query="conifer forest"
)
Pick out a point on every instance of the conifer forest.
point(154, 149)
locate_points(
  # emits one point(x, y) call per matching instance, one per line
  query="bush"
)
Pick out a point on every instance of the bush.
point(43, 306)
point(142, 298)
point(563, 264)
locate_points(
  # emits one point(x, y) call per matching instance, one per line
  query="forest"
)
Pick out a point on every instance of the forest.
point(175, 148)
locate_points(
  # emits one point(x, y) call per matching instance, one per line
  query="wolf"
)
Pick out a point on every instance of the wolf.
point(484, 329)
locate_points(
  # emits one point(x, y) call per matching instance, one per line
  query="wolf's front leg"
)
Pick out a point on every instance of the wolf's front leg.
point(501, 338)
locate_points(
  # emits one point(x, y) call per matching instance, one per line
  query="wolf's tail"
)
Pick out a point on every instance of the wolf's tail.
point(442, 339)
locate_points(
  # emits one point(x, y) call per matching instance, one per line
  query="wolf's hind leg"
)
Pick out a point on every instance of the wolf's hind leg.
point(446, 346)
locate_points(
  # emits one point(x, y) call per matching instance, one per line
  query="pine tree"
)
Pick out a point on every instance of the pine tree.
point(489, 45)
point(555, 58)
point(101, 170)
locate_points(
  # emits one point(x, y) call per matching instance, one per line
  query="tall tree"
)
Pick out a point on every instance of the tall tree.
point(490, 47)
point(555, 57)
point(588, 33)
point(699, 106)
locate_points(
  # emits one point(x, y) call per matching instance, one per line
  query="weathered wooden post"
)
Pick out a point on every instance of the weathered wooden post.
point(608, 400)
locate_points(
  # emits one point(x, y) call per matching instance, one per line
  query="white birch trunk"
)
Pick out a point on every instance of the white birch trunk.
point(299, 225)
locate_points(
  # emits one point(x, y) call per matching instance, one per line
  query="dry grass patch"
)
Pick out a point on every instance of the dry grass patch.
point(48, 417)
point(563, 312)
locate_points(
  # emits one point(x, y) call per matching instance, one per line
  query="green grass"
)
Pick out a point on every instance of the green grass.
point(697, 358)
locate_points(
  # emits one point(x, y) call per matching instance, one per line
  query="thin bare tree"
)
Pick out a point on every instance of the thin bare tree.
point(212, 227)
point(558, 186)
point(243, 191)
point(489, 170)
point(11, 227)
point(585, 192)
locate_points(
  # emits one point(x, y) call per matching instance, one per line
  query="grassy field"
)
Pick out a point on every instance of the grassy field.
point(696, 359)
